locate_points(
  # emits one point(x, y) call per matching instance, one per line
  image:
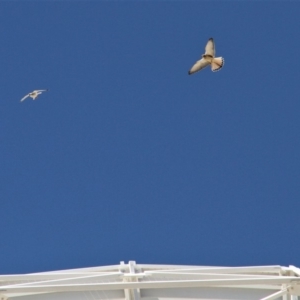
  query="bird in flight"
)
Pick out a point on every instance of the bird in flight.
point(33, 94)
point(208, 59)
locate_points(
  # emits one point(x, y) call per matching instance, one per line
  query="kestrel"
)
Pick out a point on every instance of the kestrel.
point(33, 94)
point(208, 59)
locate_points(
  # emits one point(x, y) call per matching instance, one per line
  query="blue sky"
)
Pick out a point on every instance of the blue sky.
point(127, 157)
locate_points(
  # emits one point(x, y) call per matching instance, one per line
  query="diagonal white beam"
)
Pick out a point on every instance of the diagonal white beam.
point(70, 280)
point(107, 269)
point(295, 270)
point(275, 295)
point(48, 276)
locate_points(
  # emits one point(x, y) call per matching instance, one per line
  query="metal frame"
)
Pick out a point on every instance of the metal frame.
point(155, 282)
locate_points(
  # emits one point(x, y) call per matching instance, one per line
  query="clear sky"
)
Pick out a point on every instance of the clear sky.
point(127, 157)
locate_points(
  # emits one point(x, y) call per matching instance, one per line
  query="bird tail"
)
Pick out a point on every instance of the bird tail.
point(217, 63)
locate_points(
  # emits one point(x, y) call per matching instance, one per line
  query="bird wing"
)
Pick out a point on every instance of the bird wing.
point(199, 65)
point(24, 98)
point(210, 47)
point(40, 90)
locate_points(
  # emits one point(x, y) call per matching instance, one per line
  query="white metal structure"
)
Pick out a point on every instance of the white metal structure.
point(155, 282)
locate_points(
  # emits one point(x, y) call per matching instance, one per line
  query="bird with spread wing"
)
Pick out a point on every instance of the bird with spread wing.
point(33, 94)
point(208, 59)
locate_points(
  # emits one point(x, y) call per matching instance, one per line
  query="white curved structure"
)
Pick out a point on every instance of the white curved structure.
point(155, 282)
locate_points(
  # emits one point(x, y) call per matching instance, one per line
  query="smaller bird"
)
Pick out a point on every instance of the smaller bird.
point(208, 59)
point(33, 94)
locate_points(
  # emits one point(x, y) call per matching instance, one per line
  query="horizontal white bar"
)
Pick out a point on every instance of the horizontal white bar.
point(46, 276)
point(254, 269)
point(207, 275)
point(146, 285)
